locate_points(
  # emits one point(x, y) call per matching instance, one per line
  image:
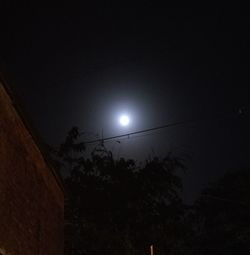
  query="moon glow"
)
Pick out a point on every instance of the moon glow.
point(124, 120)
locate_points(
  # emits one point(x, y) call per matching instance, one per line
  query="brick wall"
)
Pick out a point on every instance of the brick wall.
point(31, 199)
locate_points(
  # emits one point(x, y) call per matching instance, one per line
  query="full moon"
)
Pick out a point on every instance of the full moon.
point(124, 120)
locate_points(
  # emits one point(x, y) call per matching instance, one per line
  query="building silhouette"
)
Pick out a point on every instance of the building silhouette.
point(31, 194)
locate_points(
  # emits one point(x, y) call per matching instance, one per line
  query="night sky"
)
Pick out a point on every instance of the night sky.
point(85, 65)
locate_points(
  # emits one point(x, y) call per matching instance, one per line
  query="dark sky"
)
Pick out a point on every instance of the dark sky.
point(84, 65)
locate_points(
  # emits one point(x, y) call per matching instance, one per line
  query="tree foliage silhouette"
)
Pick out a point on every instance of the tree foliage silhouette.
point(222, 216)
point(118, 206)
point(121, 207)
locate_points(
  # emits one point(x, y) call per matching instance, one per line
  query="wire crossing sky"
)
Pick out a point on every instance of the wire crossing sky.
point(240, 112)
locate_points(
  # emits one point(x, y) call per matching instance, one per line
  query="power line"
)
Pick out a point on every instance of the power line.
point(240, 111)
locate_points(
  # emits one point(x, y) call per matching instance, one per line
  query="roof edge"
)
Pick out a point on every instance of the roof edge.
point(36, 138)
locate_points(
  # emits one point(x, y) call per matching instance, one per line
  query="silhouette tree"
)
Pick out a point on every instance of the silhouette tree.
point(223, 216)
point(118, 206)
